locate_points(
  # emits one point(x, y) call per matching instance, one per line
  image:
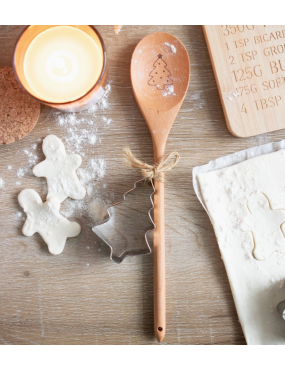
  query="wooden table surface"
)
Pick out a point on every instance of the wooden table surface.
point(80, 296)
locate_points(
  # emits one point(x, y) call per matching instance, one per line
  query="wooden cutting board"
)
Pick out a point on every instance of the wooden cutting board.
point(249, 66)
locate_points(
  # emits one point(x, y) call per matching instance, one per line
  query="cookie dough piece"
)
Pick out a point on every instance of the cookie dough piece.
point(246, 204)
point(59, 170)
point(19, 112)
point(45, 219)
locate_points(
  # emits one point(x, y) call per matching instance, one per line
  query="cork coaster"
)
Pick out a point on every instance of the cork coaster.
point(18, 111)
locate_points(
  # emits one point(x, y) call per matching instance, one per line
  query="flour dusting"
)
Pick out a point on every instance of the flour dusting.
point(30, 155)
point(20, 216)
point(168, 91)
point(81, 129)
point(172, 47)
point(21, 172)
point(94, 170)
point(2, 183)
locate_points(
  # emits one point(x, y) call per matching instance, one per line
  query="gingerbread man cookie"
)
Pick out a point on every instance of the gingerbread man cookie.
point(59, 170)
point(45, 219)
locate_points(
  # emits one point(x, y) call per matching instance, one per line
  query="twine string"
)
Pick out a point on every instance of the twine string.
point(151, 171)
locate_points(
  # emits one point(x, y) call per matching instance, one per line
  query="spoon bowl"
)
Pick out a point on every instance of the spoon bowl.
point(160, 74)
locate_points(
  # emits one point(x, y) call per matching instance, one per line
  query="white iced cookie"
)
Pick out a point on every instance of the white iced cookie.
point(45, 219)
point(59, 170)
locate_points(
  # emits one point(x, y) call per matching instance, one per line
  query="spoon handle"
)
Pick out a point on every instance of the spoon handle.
point(159, 262)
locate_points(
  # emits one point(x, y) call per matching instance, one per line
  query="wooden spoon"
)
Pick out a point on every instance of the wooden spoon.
point(160, 74)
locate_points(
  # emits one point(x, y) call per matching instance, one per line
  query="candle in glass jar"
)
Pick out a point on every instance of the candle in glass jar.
point(62, 64)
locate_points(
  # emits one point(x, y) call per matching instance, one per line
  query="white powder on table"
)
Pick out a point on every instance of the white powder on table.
point(81, 129)
point(20, 216)
point(2, 183)
point(21, 172)
point(29, 155)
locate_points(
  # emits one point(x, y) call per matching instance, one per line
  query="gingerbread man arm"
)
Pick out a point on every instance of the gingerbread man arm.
point(74, 229)
point(75, 160)
point(41, 169)
point(28, 228)
point(281, 215)
point(55, 243)
point(57, 239)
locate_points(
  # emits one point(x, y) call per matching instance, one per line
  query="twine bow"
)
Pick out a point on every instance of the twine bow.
point(151, 172)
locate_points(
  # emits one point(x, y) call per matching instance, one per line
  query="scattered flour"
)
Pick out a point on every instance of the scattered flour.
point(21, 172)
point(172, 47)
point(168, 91)
point(197, 95)
point(103, 103)
point(2, 183)
point(94, 170)
point(72, 208)
point(106, 120)
point(20, 216)
point(231, 94)
point(32, 158)
point(81, 128)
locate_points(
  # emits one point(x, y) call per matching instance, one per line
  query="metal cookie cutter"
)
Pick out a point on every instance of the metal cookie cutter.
point(121, 231)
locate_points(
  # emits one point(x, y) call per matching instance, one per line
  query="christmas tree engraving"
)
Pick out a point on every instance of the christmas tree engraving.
point(160, 75)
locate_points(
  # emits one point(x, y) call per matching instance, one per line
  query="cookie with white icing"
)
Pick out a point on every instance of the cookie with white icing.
point(45, 219)
point(59, 169)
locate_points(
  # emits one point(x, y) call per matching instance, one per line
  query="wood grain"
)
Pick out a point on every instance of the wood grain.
point(249, 66)
point(47, 299)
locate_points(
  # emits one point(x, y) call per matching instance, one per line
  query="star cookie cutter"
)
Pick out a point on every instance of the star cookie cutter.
point(97, 229)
